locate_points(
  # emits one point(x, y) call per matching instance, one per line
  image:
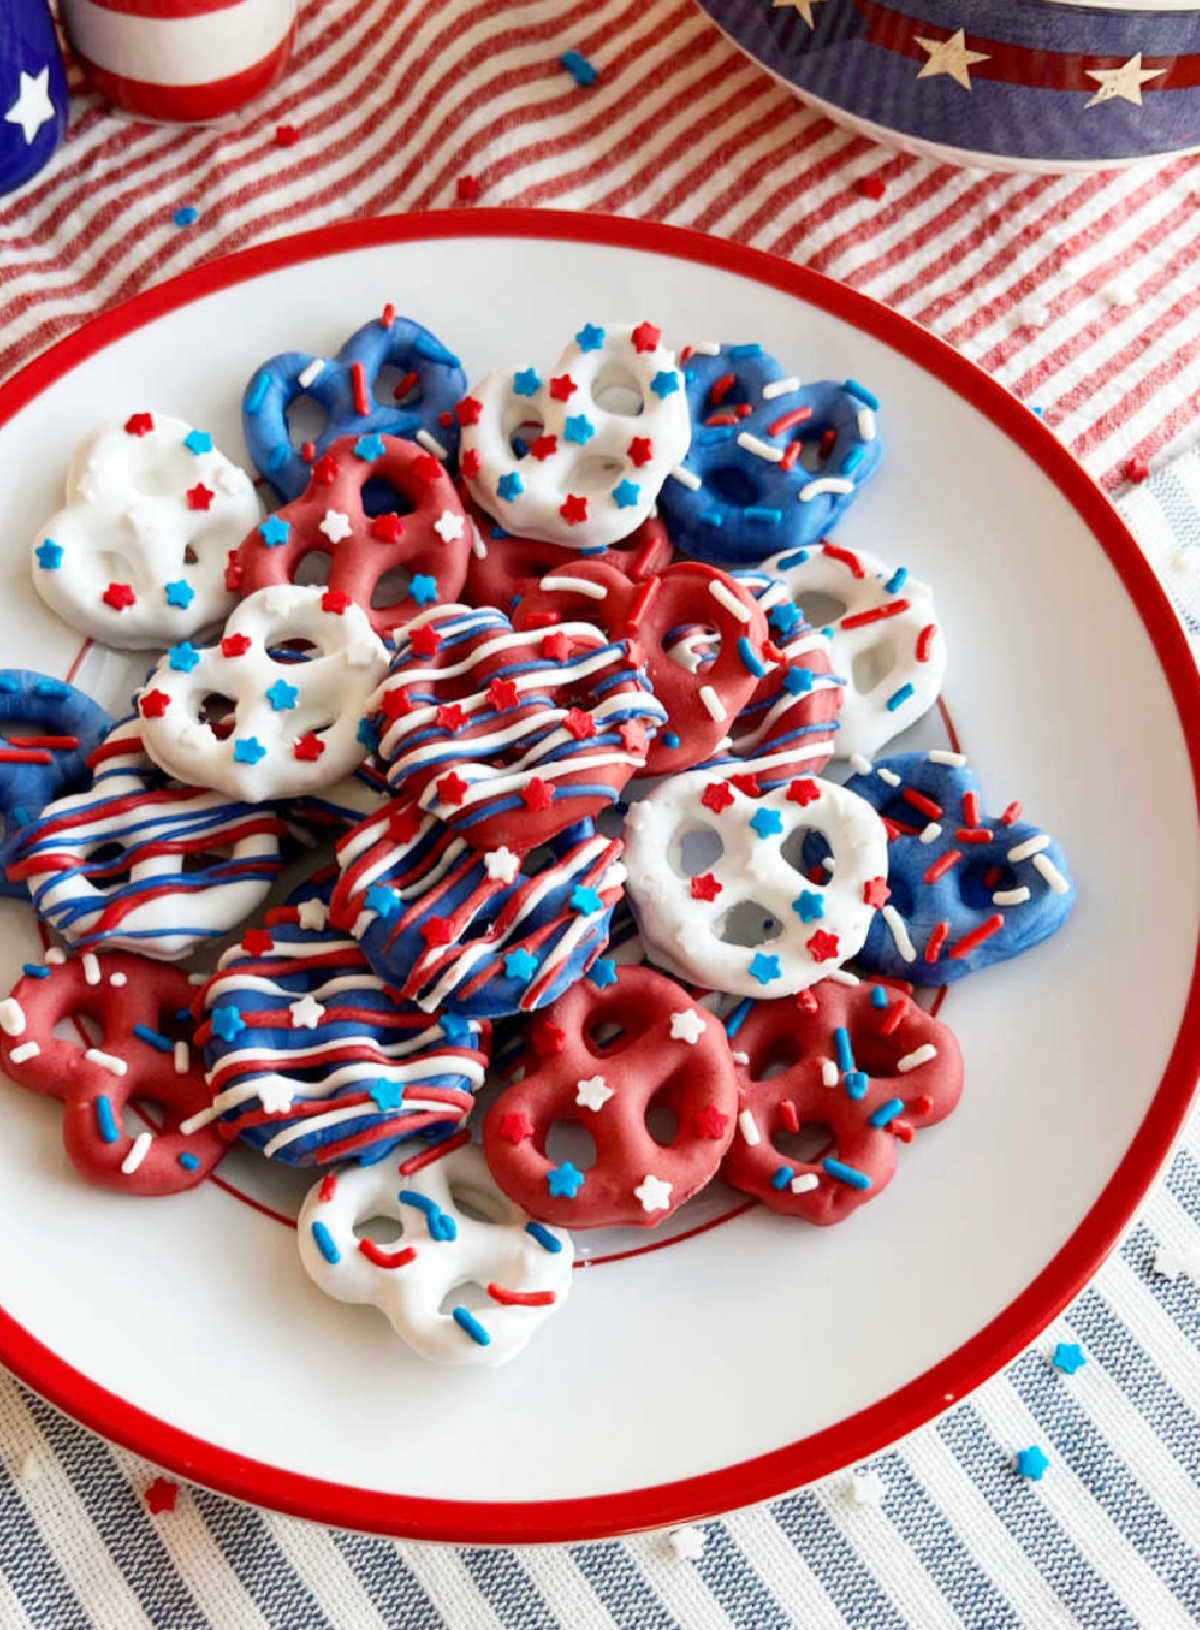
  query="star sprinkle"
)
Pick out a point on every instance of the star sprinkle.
point(543, 447)
point(515, 1125)
point(687, 1025)
point(227, 1023)
point(1032, 1463)
point(458, 1032)
point(423, 589)
point(585, 901)
point(162, 1493)
point(640, 451)
point(369, 447)
point(1124, 82)
point(387, 1095)
point(951, 56)
point(822, 947)
point(424, 641)
point(686, 1544)
point(139, 424)
point(501, 864)
point(306, 1013)
point(633, 737)
point(198, 441)
point(626, 494)
point(590, 337)
point(784, 618)
point(183, 657)
point(436, 931)
point(768, 823)
point(235, 645)
point(452, 789)
point(573, 509)
point(876, 893)
point(200, 496)
point(593, 1093)
point(866, 1487)
point(665, 383)
point(537, 794)
point(325, 470)
point(527, 382)
point(282, 696)
point(510, 486)
point(705, 887)
point(49, 555)
point(603, 972)
point(564, 1181)
point(521, 964)
point(335, 526)
point(427, 469)
point(248, 750)
point(1069, 1357)
point(119, 596)
point(563, 387)
point(803, 792)
point(654, 1193)
point(468, 410)
point(579, 724)
point(579, 429)
point(503, 693)
point(808, 906)
point(309, 748)
point(717, 796)
point(179, 593)
point(798, 681)
point(710, 1122)
point(404, 824)
point(557, 647)
point(382, 900)
point(312, 914)
point(548, 1038)
point(646, 337)
point(274, 531)
point(450, 716)
point(764, 967)
point(154, 704)
point(388, 527)
point(449, 526)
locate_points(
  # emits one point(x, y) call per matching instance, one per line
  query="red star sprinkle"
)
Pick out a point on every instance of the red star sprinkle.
point(286, 135)
point(633, 736)
point(1136, 470)
point(451, 716)
point(718, 795)
point(747, 784)
point(543, 447)
point(387, 528)
point(257, 942)
point(426, 469)
point(235, 572)
point(870, 186)
point(710, 1122)
point(395, 703)
point(806, 1002)
point(118, 596)
point(161, 1494)
point(503, 693)
point(634, 652)
point(200, 496)
point(468, 410)
point(308, 451)
point(309, 748)
point(548, 1038)
point(573, 509)
point(325, 470)
point(468, 463)
point(646, 337)
point(557, 646)
point(154, 704)
point(404, 823)
point(336, 601)
point(424, 640)
point(235, 645)
point(705, 887)
point(467, 189)
point(921, 1105)
point(436, 931)
point(822, 947)
point(640, 450)
point(445, 420)
point(876, 893)
point(515, 1125)
point(803, 792)
point(452, 789)
point(538, 794)
point(139, 424)
point(562, 387)
point(579, 724)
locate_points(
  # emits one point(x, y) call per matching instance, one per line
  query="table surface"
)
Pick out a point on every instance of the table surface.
point(1077, 292)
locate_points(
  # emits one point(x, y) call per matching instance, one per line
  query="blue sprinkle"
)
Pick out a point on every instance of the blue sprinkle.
point(783, 1176)
point(711, 517)
point(325, 1243)
point(186, 215)
point(794, 557)
point(886, 1113)
point(106, 1121)
point(855, 1083)
point(441, 1224)
point(154, 1038)
point(853, 459)
point(603, 972)
point(670, 739)
point(768, 517)
point(846, 1174)
point(738, 1017)
point(898, 698)
point(841, 1042)
point(749, 660)
point(897, 580)
point(707, 434)
point(35, 970)
point(879, 996)
point(745, 353)
point(466, 1320)
point(1038, 411)
point(520, 446)
point(579, 68)
point(51, 687)
point(188, 1162)
point(256, 395)
point(548, 1241)
point(853, 388)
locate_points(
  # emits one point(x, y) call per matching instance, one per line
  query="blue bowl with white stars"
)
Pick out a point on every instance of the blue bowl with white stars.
point(1009, 84)
point(33, 91)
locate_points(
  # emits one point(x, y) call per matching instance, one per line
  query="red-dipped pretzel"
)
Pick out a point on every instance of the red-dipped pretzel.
point(862, 1067)
point(141, 1008)
point(431, 542)
point(702, 701)
point(669, 1053)
point(503, 568)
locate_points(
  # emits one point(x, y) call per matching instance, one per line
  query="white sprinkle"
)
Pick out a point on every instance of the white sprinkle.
point(1031, 846)
point(931, 833)
point(779, 387)
point(106, 1061)
point(740, 1058)
point(713, 703)
point(308, 376)
point(760, 449)
point(432, 445)
point(829, 862)
point(687, 477)
point(899, 933)
point(915, 1059)
point(1117, 293)
point(859, 764)
point(118, 980)
point(940, 756)
point(576, 585)
point(805, 1181)
point(726, 597)
point(829, 1073)
point(91, 968)
point(1051, 873)
point(749, 1128)
point(55, 957)
point(889, 777)
point(361, 923)
point(842, 976)
point(12, 1017)
point(182, 1058)
point(1033, 314)
point(706, 348)
point(1011, 897)
point(823, 484)
point(866, 424)
point(138, 1153)
point(478, 547)
point(866, 1486)
point(686, 1544)
point(27, 1050)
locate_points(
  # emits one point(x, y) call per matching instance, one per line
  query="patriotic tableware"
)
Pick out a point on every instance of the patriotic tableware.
point(33, 91)
point(1039, 84)
point(616, 1418)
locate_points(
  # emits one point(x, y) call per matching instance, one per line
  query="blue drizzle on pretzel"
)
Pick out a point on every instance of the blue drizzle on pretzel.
point(344, 386)
point(745, 489)
point(967, 889)
point(47, 730)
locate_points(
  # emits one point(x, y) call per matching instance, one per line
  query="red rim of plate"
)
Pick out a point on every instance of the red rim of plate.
point(882, 1423)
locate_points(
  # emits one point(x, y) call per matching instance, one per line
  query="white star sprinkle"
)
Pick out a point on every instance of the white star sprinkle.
point(274, 1094)
point(501, 864)
point(448, 526)
point(593, 1093)
point(312, 914)
point(950, 57)
point(804, 7)
point(307, 1013)
point(654, 1194)
point(687, 1544)
point(866, 1486)
point(335, 526)
point(687, 1025)
point(1125, 82)
point(33, 106)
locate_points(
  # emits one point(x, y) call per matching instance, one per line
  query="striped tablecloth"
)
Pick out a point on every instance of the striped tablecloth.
point(1080, 294)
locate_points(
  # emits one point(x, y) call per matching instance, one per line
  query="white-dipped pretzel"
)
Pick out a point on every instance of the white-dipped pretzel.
point(886, 642)
point(136, 558)
point(789, 897)
point(588, 476)
point(523, 1267)
point(293, 725)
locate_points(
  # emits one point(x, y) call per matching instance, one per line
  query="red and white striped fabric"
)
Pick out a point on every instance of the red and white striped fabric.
point(1078, 292)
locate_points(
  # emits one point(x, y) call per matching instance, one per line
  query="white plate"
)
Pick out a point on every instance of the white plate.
point(760, 1353)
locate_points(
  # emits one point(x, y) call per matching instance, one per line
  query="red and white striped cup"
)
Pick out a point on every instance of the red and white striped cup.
point(181, 61)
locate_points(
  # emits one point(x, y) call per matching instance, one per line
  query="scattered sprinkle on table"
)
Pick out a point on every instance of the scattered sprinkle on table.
point(186, 215)
point(870, 186)
point(866, 1486)
point(161, 1495)
point(286, 135)
point(1136, 470)
point(1032, 1463)
point(686, 1544)
point(467, 189)
point(579, 68)
point(1069, 1357)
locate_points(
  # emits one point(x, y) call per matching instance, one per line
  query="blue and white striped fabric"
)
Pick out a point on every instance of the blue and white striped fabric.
point(1109, 1539)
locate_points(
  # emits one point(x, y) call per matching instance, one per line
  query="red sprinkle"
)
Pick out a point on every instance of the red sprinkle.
point(894, 1016)
point(1136, 470)
point(520, 1298)
point(308, 451)
point(971, 808)
point(933, 947)
point(835, 552)
point(974, 834)
point(726, 418)
point(991, 878)
point(386, 1259)
point(827, 441)
point(438, 1152)
point(924, 641)
point(787, 421)
point(860, 619)
point(388, 315)
point(467, 189)
point(901, 1129)
point(362, 399)
point(944, 863)
point(1011, 814)
point(806, 1002)
point(787, 1111)
point(721, 389)
point(919, 801)
point(328, 1185)
point(286, 135)
point(976, 937)
point(870, 186)
point(790, 454)
point(408, 383)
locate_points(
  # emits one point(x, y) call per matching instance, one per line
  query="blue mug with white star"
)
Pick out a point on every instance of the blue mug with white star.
point(33, 91)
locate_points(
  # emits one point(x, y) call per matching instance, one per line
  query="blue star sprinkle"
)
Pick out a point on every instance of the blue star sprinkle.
point(388, 1094)
point(369, 447)
point(198, 441)
point(49, 555)
point(1069, 1357)
point(423, 588)
point(1032, 1463)
point(180, 593)
point(808, 906)
point(585, 901)
point(227, 1022)
point(603, 972)
point(520, 964)
point(579, 429)
point(183, 657)
point(764, 968)
point(768, 823)
point(274, 531)
point(564, 1181)
point(590, 337)
point(665, 382)
point(368, 733)
point(798, 681)
point(282, 696)
point(526, 382)
point(186, 215)
point(510, 486)
point(626, 494)
point(458, 1032)
point(382, 900)
point(248, 750)
point(784, 618)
